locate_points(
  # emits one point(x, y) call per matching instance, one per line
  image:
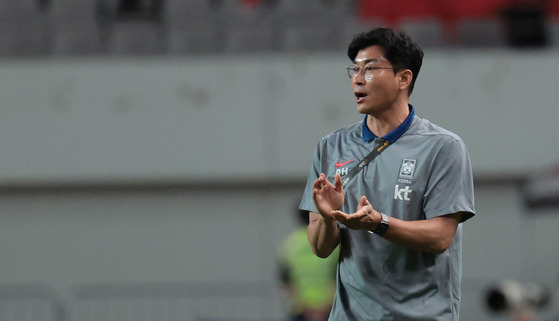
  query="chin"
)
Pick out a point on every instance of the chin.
point(363, 109)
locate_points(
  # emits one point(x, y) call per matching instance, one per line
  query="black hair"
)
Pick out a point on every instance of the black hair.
point(399, 49)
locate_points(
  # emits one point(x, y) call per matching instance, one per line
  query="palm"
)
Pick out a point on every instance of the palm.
point(329, 201)
point(328, 197)
point(361, 219)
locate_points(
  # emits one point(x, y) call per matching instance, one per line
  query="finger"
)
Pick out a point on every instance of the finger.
point(338, 182)
point(316, 191)
point(363, 201)
point(315, 194)
point(322, 181)
point(319, 182)
point(315, 184)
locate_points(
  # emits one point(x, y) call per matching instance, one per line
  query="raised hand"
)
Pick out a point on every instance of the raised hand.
point(365, 218)
point(328, 197)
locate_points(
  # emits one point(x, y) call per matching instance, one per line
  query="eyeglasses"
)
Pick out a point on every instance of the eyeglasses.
point(367, 71)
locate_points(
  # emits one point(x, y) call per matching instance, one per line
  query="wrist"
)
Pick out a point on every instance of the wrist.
point(325, 218)
point(376, 218)
point(382, 225)
point(328, 219)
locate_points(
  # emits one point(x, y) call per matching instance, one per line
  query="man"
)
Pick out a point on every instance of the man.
point(400, 246)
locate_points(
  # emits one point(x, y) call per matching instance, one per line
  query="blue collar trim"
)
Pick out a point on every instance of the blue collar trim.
point(393, 135)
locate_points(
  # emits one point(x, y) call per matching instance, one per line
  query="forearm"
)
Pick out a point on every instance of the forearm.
point(433, 236)
point(323, 234)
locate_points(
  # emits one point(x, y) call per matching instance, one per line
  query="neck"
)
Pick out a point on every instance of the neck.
point(385, 122)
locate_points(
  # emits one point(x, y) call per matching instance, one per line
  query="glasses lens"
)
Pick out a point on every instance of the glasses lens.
point(352, 71)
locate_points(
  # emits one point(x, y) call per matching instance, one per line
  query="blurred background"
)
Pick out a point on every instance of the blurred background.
point(151, 152)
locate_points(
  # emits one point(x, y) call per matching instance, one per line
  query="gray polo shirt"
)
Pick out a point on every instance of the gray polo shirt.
point(424, 173)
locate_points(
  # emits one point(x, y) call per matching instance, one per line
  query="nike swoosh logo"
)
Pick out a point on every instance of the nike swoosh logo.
point(338, 164)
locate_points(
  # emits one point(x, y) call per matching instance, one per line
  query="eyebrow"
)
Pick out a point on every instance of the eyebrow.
point(366, 61)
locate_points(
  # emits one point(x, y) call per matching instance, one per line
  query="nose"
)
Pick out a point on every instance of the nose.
point(359, 78)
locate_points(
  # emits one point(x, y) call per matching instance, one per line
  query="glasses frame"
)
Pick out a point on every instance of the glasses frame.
point(351, 70)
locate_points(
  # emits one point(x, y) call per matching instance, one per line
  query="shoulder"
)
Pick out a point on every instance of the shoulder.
point(437, 136)
point(348, 133)
point(425, 127)
point(435, 141)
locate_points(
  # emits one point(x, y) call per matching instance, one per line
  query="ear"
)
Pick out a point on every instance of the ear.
point(405, 77)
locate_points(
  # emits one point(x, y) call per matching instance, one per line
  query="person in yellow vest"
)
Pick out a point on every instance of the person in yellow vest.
point(309, 281)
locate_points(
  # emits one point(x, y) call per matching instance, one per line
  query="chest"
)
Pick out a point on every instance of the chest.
point(396, 179)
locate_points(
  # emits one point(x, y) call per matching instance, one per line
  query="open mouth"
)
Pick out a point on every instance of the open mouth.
point(359, 96)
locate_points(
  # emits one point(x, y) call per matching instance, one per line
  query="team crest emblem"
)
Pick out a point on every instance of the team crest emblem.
point(407, 169)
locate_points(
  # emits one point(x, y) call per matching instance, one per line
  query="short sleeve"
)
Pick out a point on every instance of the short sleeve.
point(307, 202)
point(450, 188)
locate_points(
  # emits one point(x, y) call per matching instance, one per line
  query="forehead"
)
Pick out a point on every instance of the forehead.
point(372, 53)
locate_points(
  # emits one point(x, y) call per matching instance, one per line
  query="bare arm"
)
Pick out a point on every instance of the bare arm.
point(433, 235)
point(323, 231)
point(323, 234)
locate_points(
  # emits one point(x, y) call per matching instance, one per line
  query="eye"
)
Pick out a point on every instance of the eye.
point(355, 69)
point(369, 68)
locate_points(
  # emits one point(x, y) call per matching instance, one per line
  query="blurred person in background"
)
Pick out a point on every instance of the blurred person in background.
point(408, 184)
point(309, 281)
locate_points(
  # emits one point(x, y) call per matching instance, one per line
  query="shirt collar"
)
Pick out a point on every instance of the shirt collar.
point(393, 135)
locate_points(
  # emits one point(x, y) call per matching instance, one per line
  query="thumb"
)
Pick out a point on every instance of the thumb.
point(363, 201)
point(338, 182)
